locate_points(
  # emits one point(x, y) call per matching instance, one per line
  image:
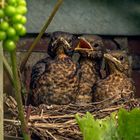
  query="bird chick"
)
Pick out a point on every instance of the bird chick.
point(90, 49)
point(70, 38)
point(54, 80)
point(119, 83)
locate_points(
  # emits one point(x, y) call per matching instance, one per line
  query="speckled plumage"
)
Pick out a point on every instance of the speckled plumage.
point(54, 80)
point(89, 66)
point(119, 83)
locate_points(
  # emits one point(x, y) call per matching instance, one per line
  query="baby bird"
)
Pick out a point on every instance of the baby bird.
point(90, 49)
point(118, 84)
point(54, 80)
point(70, 38)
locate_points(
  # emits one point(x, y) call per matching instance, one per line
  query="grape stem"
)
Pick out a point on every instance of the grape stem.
point(8, 68)
point(27, 55)
point(17, 85)
point(1, 93)
point(1, 84)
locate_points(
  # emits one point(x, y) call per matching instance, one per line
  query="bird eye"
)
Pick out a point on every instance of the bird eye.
point(96, 45)
point(121, 58)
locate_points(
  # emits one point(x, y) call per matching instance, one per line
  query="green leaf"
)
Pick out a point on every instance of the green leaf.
point(109, 128)
point(127, 127)
point(97, 129)
point(89, 127)
point(129, 124)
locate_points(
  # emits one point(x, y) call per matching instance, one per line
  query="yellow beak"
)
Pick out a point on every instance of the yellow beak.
point(114, 60)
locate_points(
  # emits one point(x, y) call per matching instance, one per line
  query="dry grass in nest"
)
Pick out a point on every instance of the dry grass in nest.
point(57, 122)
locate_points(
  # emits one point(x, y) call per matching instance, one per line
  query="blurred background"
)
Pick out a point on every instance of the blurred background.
point(106, 17)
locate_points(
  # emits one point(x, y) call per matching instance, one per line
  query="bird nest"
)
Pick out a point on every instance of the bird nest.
point(57, 122)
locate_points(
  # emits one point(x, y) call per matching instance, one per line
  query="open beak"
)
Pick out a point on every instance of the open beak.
point(83, 44)
point(61, 40)
point(65, 42)
point(109, 57)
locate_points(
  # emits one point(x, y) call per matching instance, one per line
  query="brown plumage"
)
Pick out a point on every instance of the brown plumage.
point(118, 84)
point(90, 49)
point(54, 80)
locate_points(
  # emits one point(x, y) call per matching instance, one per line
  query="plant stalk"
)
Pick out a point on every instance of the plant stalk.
point(27, 55)
point(8, 68)
point(1, 93)
point(1, 85)
point(17, 86)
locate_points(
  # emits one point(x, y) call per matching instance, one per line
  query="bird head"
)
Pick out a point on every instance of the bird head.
point(118, 61)
point(60, 46)
point(60, 41)
point(90, 46)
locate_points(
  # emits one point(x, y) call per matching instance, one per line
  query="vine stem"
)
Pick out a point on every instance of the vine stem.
point(17, 86)
point(1, 93)
point(27, 55)
point(7, 67)
point(1, 84)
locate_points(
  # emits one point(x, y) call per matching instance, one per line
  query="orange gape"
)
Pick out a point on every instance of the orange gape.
point(84, 45)
point(90, 50)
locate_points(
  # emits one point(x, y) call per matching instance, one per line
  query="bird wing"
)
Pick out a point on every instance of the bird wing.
point(38, 69)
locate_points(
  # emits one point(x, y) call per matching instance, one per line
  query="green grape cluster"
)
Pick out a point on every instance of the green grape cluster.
point(12, 22)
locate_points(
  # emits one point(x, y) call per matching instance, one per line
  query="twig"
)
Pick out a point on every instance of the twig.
point(64, 126)
point(38, 117)
point(111, 108)
point(106, 100)
point(70, 131)
point(51, 135)
point(15, 122)
point(27, 55)
point(12, 137)
point(17, 86)
point(43, 125)
point(48, 125)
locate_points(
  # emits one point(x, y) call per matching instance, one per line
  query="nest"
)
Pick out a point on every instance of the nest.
point(57, 122)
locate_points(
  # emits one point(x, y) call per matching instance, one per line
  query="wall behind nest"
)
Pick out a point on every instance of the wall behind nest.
point(108, 17)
